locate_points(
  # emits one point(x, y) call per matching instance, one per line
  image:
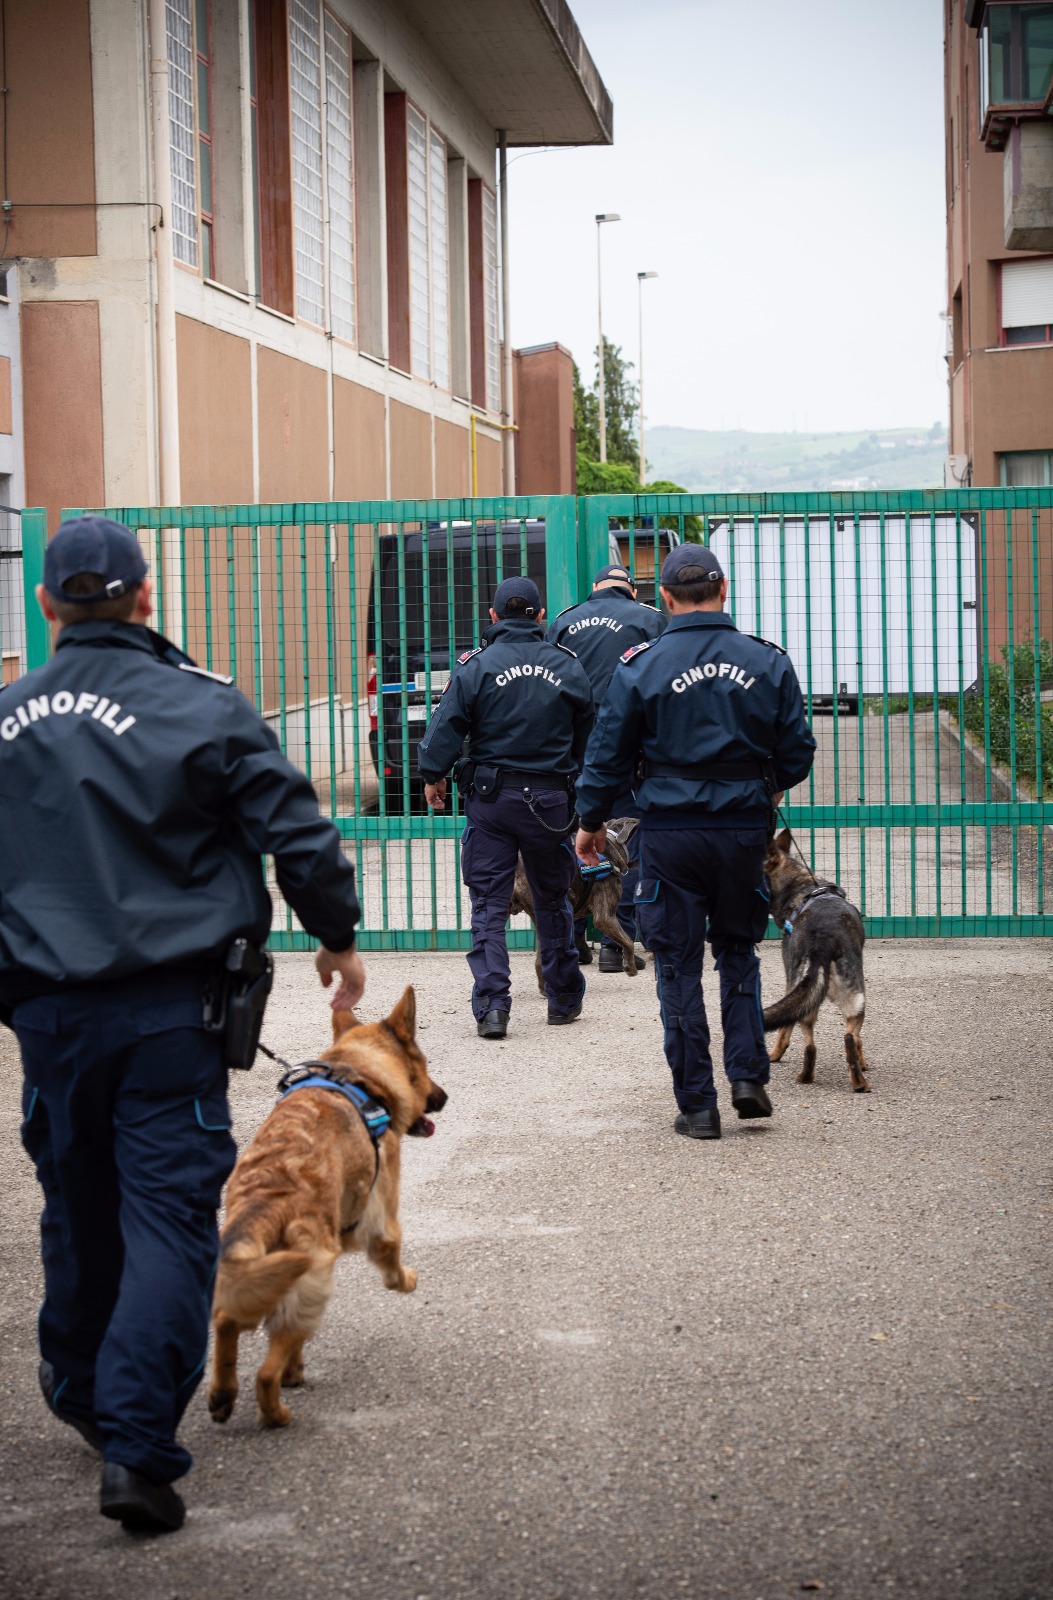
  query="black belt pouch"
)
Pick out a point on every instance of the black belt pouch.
point(486, 782)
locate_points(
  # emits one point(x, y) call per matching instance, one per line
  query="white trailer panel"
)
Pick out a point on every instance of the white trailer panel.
point(865, 606)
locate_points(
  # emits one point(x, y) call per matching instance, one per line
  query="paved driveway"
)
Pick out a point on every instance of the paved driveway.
point(814, 1357)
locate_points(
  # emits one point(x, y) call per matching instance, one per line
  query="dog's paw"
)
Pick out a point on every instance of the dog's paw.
point(278, 1416)
point(292, 1377)
point(407, 1280)
point(221, 1404)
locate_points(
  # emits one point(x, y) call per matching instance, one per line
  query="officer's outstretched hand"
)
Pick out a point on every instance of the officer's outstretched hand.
point(435, 795)
point(590, 846)
point(347, 964)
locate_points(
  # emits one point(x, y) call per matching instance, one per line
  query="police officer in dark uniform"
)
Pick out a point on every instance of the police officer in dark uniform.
point(599, 631)
point(603, 627)
point(525, 707)
point(138, 793)
point(712, 723)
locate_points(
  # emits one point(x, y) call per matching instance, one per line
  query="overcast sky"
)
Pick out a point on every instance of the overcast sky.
point(781, 166)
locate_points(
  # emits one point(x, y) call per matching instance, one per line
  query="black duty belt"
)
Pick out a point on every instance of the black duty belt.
point(708, 771)
point(537, 781)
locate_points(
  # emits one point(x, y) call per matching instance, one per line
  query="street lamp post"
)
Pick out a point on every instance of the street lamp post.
point(601, 217)
point(640, 276)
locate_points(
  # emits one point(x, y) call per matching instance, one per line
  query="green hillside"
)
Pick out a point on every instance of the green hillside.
point(736, 462)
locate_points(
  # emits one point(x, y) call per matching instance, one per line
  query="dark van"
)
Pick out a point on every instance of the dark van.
point(425, 625)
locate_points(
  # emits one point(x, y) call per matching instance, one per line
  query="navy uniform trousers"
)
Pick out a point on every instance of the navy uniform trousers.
point(126, 1119)
point(497, 832)
point(698, 882)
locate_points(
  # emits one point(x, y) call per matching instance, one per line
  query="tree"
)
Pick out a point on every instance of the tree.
point(586, 421)
point(620, 407)
point(620, 473)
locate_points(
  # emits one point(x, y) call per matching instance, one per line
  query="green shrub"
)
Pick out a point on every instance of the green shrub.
point(1011, 698)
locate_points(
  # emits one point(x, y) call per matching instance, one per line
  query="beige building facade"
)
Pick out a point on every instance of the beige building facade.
point(258, 242)
point(998, 103)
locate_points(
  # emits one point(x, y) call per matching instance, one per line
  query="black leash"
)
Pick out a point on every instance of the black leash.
point(796, 846)
point(279, 1061)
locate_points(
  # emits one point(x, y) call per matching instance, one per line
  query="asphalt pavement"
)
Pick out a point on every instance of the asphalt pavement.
point(814, 1357)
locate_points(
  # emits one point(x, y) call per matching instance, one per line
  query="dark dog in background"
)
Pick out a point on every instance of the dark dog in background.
point(591, 897)
point(822, 952)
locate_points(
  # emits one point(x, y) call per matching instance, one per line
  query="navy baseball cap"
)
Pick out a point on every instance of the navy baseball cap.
point(691, 563)
point(613, 574)
point(518, 589)
point(93, 544)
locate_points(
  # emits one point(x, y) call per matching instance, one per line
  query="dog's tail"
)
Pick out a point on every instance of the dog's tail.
point(806, 996)
point(249, 1287)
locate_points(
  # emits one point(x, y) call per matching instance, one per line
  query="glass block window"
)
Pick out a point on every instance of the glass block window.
point(182, 134)
point(440, 267)
point(491, 323)
point(339, 175)
point(419, 273)
point(203, 63)
point(305, 85)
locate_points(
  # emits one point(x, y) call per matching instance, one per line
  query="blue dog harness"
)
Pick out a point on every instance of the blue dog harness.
point(596, 874)
point(319, 1075)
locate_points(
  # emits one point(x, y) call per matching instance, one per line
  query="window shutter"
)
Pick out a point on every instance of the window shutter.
point(1027, 293)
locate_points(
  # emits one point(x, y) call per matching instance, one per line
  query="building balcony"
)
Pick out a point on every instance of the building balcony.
point(1016, 65)
point(1015, 39)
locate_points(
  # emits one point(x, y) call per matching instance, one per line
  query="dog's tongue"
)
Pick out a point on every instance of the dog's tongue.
point(423, 1128)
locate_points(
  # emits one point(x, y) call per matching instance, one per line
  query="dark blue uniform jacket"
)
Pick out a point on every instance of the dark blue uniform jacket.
point(702, 692)
point(601, 629)
point(525, 705)
point(137, 796)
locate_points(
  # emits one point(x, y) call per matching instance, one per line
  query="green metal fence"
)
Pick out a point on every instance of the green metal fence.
point(342, 621)
point(919, 624)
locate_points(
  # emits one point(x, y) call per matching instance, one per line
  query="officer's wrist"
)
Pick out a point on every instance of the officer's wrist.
point(587, 825)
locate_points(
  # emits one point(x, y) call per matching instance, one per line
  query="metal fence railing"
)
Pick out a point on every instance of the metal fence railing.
point(920, 625)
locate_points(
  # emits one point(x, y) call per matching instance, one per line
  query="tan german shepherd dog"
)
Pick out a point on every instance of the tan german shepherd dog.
point(310, 1187)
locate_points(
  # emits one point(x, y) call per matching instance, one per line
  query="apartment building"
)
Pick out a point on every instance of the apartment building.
point(999, 125)
point(257, 243)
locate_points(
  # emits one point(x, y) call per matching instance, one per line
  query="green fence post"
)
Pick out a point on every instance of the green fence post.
point(561, 556)
point(593, 542)
point(34, 543)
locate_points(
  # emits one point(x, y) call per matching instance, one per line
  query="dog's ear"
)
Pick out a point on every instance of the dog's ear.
point(342, 1021)
point(403, 1020)
point(783, 841)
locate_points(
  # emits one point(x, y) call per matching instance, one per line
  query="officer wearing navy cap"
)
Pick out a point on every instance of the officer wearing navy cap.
point(603, 627)
point(525, 708)
point(708, 724)
point(599, 631)
point(139, 792)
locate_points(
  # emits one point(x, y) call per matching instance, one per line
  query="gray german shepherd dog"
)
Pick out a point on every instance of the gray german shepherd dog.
point(822, 952)
point(590, 897)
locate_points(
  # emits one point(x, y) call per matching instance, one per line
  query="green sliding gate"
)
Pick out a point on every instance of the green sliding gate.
point(920, 626)
point(919, 623)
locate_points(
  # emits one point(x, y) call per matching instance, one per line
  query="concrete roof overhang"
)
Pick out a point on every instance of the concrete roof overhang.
point(974, 9)
point(523, 63)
